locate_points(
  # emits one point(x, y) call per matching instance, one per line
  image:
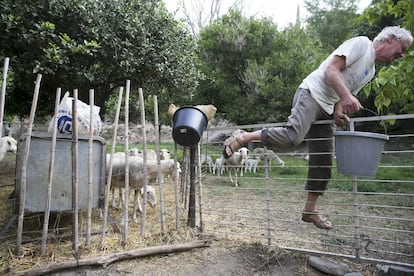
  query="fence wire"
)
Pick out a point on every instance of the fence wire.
point(373, 217)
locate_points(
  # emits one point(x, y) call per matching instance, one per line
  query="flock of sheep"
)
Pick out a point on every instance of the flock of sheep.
point(241, 161)
point(115, 165)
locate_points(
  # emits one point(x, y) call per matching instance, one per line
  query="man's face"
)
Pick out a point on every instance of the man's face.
point(392, 49)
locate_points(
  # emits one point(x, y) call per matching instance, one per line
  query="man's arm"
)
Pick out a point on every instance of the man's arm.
point(349, 103)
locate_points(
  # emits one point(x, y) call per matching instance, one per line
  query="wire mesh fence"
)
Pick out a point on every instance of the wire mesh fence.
point(372, 217)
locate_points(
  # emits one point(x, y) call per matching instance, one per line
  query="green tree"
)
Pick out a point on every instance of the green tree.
point(252, 70)
point(331, 20)
point(394, 85)
point(94, 44)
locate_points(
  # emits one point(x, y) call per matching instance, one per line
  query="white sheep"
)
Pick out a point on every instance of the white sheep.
point(219, 166)
point(165, 154)
point(271, 155)
point(7, 144)
point(235, 163)
point(151, 154)
point(208, 161)
point(251, 164)
point(136, 178)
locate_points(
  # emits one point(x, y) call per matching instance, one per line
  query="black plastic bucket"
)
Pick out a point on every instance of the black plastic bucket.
point(189, 124)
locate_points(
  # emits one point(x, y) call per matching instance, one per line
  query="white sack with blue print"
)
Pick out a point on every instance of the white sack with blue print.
point(64, 117)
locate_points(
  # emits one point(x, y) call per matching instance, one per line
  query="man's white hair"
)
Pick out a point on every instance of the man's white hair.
point(399, 33)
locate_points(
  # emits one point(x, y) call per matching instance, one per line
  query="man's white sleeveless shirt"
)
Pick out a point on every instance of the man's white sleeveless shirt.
point(360, 69)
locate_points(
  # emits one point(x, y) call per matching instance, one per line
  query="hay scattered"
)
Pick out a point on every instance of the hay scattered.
point(59, 245)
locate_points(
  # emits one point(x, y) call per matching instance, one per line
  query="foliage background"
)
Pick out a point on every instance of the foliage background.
point(248, 68)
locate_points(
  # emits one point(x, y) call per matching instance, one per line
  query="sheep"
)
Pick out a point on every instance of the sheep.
point(218, 165)
point(236, 163)
point(208, 161)
point(261, 153)
point(164, 154)
point(251, 164)
point(7, 144)
point(151, 154)
point(136, 178)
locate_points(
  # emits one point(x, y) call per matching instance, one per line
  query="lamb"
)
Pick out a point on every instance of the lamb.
point(218, 165)
point(170, 174)
point(165, 154)
point(7, 144)
point(151, 154)
point(251, 164)
point(235, 163)
point(261, 153)
point(208, 161)
point(136, 178)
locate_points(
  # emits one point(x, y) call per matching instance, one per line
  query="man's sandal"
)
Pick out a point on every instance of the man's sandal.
point(322, 223)
point(233, 144)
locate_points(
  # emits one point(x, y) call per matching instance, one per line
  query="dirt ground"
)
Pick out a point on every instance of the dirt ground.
point(220, 258)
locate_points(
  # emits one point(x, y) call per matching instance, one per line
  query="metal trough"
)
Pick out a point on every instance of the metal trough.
point(37, 172)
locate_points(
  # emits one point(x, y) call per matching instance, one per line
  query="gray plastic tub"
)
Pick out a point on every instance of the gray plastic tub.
point(358, 153)
point(37, 172)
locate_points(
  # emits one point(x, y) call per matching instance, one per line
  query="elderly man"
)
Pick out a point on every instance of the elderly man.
point(326, 93)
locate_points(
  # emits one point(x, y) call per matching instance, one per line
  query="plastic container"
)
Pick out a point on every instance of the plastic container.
point(189, 124)
point(358, 153)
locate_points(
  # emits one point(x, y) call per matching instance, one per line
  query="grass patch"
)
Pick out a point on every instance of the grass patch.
point(294, 172)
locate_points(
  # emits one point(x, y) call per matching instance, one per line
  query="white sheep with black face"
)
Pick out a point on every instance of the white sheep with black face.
point(7, 144)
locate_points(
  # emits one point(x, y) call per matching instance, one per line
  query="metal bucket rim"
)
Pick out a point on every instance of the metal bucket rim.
point(362, 134)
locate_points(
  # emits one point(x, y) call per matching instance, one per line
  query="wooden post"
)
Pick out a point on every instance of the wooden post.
point(176, 192)
point(126, 202)
point(185, 178)
point(3, 93)
point(51, 169)
point(200, 192)
point(90, 162)
point(157, 141)
point(144, 136)
point(191, 203)
point(108, 181)
point(22, 195)
point(75, 183)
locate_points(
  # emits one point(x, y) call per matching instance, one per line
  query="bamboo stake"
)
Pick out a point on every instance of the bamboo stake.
point(90, 162)
point(3, 93)
point(108, 181)
point(200, 196)
point(176, 192)
point(75, 183)
point(126, 202)
point(157, 142)
point(51, 169)
point(186, 172)
point(22, 196)
point(191, 200)
point(144, 136)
